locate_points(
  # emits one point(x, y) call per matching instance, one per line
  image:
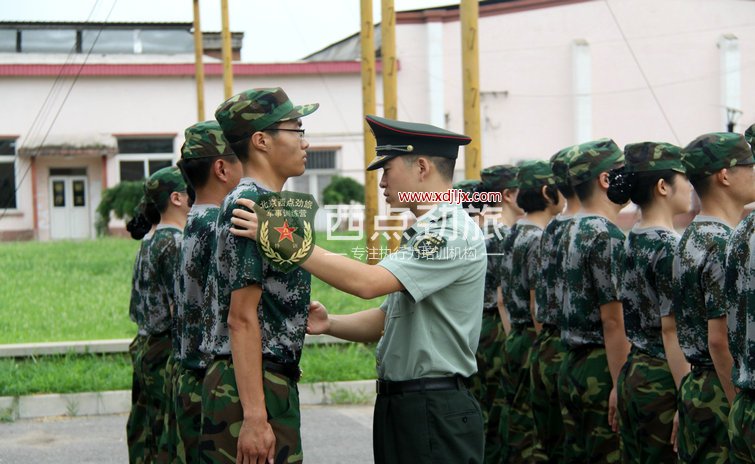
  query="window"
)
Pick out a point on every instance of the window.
point(7, 174)
point(321, 167)
point(139, 158)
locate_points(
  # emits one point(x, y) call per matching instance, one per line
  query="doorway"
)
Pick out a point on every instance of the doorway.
point(69, 204)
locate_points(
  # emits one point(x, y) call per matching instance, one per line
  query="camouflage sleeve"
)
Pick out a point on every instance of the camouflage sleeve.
point(167, 265)
point(241, 257)
point(533, 261)
point(713, 279)
point(134, 292)
point(605, 266)
point(664, 285)
point(541, 289)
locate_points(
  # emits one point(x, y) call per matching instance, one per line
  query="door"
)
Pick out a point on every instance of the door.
point(69, 207)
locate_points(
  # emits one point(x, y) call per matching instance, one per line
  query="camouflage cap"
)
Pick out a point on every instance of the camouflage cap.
point(560, 165)
point(500, 177)
point(205, 140)
point(535, 174)
point(653, 156)
point(750, 137)
point(712, 152)
point(467, 185)
point(589, 159)
point(161, 184)
point(256, 109)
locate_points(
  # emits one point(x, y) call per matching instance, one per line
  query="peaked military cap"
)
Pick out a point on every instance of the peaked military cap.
point(397, 138)
point(589, 159)
point(205, 140)
point(534, 174)
point(161, 184)
point(653, 156)
point(256, 109)
point(467, 185)
point(712, 152)
point(560, 165)
point(499, 177)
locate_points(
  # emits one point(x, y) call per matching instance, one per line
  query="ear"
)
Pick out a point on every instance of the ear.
point(603, 180)
point(260, 141)
point(724, 177)
point(662, 188)
point(176, 199)
point(508, 195)
point(548, 200)
point(220, 169)
point(424, 165)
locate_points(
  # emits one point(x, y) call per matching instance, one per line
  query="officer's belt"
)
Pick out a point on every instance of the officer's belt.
point(386, 387)
point(291, 370)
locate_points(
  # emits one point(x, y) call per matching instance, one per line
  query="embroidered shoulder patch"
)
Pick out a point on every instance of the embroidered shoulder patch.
point(428, 246)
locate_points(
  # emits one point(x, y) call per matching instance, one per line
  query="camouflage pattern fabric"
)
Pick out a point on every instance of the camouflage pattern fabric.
point(256, 109)
point(703, 418)
point(494, 237)
point(193, 293)
point(584, 385)
point(154, 366)
point(653, 156)
point(742, 427)
point(646, 405)
point(698, 270)
point(161, 184)
point(139, 277)
point(547, 355)
point(549, 287)
point(188, 406)
point(137, 426)
point(222, 415)
point(535, 174)
point(712, 152)
point(587, 160)
point(157, 284)
point(524, 246)
point(505, 263)
point(499, 178)
point(647, 287)
point(285, 300)
point(205, 140)
point(169, 437)
point(740, 290)
point(593, 259)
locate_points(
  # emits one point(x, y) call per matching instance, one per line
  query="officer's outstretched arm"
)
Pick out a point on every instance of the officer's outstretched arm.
point(364, 326)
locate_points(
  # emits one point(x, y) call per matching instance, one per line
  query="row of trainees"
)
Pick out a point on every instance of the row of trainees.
point(221, 330)
point(601, 347)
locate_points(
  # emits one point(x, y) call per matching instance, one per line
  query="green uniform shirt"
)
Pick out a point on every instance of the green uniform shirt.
point(740, 290)
point(525, 270)
point(592, 266)
point(646, 286)
point(284, 305)
point(158, 284)
point(433, 327)
point(137, 306)
point(699, 285)
point(495, 234)
point(197, 250)
point(549, 287)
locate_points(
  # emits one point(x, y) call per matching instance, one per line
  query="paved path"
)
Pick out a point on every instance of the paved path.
point(331, 434)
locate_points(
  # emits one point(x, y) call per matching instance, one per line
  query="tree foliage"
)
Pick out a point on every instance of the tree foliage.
point(121, 200)
point(343, 191)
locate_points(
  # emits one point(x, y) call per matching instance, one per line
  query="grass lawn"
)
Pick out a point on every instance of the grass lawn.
point(62, 291)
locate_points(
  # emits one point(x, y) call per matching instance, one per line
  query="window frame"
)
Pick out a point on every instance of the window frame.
point(11, 159)
point(145, 158)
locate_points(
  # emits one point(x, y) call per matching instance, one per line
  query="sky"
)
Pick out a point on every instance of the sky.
point(275, 30)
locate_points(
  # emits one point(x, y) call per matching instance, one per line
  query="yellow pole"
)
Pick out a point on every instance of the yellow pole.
point(471, 79)
point(368, 107)
point(199, 67)
point(390, 80)
point(227, 52)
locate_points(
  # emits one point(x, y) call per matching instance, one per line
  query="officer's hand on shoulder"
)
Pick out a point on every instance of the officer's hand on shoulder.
point(244, 220)
point(317, 321)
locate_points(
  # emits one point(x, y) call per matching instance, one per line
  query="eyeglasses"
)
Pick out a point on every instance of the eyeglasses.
point(300, 131)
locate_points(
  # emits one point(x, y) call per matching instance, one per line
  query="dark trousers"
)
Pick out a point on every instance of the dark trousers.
point(428, 427)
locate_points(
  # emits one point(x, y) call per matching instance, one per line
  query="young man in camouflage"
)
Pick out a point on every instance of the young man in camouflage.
point(548, 351)
point(592, 327)
point(654, 179)
point(719, 166)
point(212, 170)
point(250, 400)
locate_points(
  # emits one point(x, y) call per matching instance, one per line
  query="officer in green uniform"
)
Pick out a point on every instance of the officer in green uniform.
point(541, 201)
point(428, 328)
point(212, 170)
point(165, 196)
point(257, 315)
point(592, 327)
point(548, 351)
point(719, 165)
point(654, 179)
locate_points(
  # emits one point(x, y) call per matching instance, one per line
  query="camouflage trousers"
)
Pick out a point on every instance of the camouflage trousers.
point(137, 425)
point(168, 437)
point(548, 353)
point(222, 415)
point(520, 444)
point(742, 427)
point(486, 382)
point(647, 405)
point(157, 348)
point(703, 418)
point(188, 404)
point(584, 385)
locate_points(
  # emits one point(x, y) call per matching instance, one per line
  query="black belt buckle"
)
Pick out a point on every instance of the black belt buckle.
point(384, 387)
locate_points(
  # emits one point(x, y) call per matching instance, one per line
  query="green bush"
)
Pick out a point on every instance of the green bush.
point(342, 191)
point(121, 200)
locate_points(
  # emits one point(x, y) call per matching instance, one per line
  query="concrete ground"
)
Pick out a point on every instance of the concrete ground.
point(331, 434)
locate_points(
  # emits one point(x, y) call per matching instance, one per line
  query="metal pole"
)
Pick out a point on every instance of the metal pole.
point(199, 67)
point(227, 52)
point(368, 107)
point(390, 79)
point(471, 80)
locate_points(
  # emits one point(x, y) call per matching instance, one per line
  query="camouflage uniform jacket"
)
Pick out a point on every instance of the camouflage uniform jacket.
point(494, 236)
point(137, 310)
point(197, 250)
point(505, 266)
point(646, 286)
point(699, 285)
point(592, 264)
point(525, 270)
point(549, 288)
point(158, 285)
point(283, 307)
point(740, 290)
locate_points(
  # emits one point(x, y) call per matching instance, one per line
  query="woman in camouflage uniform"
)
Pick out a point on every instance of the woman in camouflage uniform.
point(654, 179)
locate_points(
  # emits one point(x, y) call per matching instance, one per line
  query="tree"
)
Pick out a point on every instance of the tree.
point(121, 200)
point(343, 191)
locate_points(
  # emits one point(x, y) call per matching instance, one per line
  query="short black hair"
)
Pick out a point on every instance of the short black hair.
point(196, 171)
point(532, 200)
point(636, 186)
point(701, 184)
point(445, 166)
point(566, 190)
point(585, 189)
point(241, 148)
